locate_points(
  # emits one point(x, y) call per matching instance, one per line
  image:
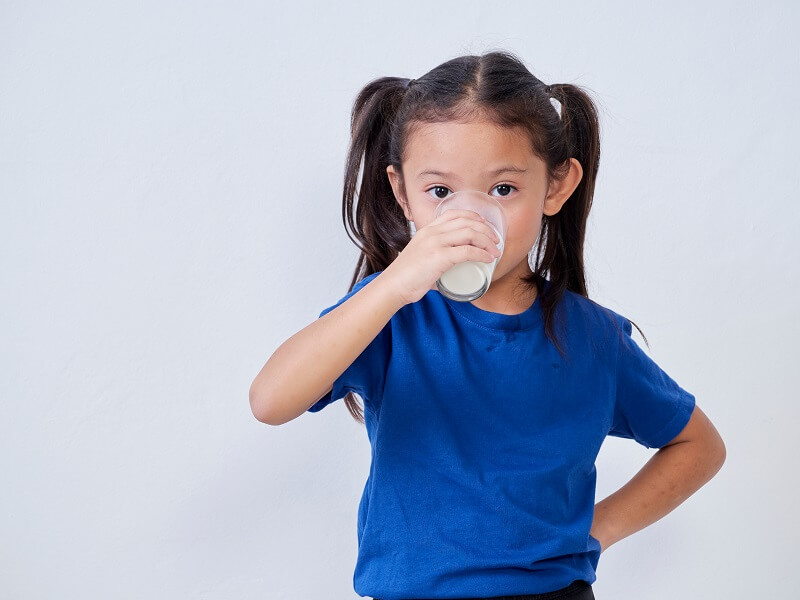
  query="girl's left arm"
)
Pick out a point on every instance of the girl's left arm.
point(675, 472)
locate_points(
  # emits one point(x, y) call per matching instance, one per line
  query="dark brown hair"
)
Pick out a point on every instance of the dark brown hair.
point(495, 86)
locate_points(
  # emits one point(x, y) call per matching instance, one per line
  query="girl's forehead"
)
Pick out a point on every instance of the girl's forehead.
point(453, 146)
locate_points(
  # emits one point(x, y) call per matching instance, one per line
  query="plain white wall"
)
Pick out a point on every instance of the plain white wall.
point(170, 175)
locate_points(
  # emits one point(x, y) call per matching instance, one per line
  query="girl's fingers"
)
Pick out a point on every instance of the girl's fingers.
point(473, 237)
point(460, 254)
point(467, 223)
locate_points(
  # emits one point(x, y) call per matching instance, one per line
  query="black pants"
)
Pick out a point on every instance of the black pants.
point(577, 590)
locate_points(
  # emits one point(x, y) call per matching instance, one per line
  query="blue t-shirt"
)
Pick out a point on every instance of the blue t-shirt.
point(484, 440)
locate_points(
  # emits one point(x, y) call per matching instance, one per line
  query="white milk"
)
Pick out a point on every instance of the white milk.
point(467, 278)
point(472, 278)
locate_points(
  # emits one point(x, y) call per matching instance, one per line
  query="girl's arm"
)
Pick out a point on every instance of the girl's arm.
point(304, 367)
point(673, 474)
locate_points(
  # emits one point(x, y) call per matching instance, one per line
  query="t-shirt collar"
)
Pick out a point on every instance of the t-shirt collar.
point(524, 320)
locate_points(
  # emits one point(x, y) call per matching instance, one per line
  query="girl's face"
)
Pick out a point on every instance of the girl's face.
point(468, 156)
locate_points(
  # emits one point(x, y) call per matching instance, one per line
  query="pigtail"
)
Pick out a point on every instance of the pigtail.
point(579, 138)
point(375, 223)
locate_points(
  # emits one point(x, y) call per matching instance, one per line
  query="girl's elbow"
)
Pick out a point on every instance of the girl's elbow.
point(260, 404)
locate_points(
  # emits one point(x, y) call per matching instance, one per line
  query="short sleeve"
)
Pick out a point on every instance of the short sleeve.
point(650, 407)
point(366, 374)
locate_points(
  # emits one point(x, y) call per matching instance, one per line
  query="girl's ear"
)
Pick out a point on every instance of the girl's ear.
point(560, 190)
point(394, 181)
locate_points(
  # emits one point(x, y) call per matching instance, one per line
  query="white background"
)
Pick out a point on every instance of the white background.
point(170, 184)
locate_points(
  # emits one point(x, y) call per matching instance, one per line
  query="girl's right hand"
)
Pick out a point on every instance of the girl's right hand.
point(455, 236)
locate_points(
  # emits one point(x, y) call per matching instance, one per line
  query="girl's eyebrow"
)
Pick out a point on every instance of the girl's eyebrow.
point(494, 173)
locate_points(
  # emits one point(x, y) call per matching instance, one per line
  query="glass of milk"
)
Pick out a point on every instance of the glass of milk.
point(469, 280)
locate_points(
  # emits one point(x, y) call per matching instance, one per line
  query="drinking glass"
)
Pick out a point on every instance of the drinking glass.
point(471, 279)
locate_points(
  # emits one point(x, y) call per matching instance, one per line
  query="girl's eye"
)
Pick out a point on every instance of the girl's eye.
point(504, 185)
point(441, 187)
point(435, 195)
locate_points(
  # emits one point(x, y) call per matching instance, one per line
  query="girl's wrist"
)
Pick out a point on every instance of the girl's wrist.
point(602, 529)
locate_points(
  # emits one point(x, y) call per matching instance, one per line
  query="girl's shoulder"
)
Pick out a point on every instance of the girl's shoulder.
point(590, 317)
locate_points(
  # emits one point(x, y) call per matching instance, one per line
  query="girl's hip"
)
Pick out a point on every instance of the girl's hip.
point(577, 590)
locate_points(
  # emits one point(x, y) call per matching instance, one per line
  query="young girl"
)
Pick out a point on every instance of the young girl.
point(485, 418)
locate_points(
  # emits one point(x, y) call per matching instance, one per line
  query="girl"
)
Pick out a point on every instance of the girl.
point(484, 417)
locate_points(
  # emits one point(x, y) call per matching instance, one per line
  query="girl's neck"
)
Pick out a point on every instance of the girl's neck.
point(509, 295)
